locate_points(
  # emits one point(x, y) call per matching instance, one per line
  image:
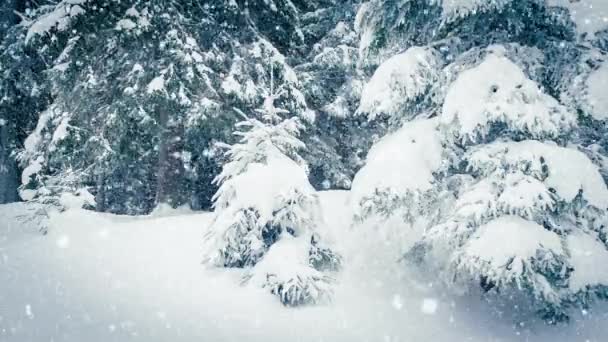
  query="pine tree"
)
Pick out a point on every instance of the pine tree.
point(509, 182)
point(142, 90)
point(266, 211)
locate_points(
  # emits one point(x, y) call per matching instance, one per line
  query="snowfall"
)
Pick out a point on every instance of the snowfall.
point(101, 277)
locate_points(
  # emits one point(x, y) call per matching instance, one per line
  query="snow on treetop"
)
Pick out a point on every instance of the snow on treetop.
point(569, 171)
point(399, 80)
point(504, 249)
point(403, 161)
point(597, 88)
point(59, 17)
point(590, 16)
point(266, 187)
point(462, 8)
point(157, 84)
point(585, 252)
point(495, 91)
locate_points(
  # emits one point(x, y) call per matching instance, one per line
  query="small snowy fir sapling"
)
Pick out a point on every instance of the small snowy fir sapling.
point(266, 212)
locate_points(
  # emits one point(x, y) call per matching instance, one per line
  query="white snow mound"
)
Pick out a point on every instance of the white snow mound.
point(497, 90)
point(399, 80)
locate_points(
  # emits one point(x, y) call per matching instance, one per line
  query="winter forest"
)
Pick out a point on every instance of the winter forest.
point(303, 170)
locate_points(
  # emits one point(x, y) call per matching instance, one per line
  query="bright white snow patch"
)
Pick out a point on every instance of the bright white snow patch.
point(125, 25)
point(63, 242)
point(519, 240)
point(266, 187)
point(597, 91)
point(61, 132)
point(401, 162)
point(429, 306)
point(286, 271)
point(504, 249)
point(463, 8)
point(590, 16)
point(497, 90)
point(58, 18)
point(588, 258)
point(400, 80)
point(157, 84)
point(32, 169)
point(570, 171)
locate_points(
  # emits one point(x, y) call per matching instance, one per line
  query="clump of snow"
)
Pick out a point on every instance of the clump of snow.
point(35, 138)
point(586, 255)
point(401, 162)
point(429, 306)
point(597, 88)
point(520, 240)
point(33, 168)
point(507, 250)
point(132, 12)
point(590, 16)
point(265, 187)
point(125, 25)
point(77, 200)
point(569, 171)
point(497, 90)
point(461, 8)
point(61, 132)
point(59, 17)
point(400, 80)
point(286, 271)
point(134, 19)
point(157, 84)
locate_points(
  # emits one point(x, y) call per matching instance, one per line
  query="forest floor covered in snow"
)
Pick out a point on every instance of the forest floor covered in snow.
point(100, 277)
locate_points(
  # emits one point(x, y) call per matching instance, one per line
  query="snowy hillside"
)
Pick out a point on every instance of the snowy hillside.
point(97, 277)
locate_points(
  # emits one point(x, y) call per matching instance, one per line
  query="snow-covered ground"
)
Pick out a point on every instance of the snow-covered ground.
point(99, 277)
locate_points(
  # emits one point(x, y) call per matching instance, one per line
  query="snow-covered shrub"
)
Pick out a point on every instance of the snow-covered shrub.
point(264, 201)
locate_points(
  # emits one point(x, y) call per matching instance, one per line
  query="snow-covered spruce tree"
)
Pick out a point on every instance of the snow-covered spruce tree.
point(463, 200)
point(266, 212)
point(141, 91)
point(525, 203)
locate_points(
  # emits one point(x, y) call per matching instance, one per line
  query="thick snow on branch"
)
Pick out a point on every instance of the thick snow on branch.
point(597, 88)
point(59, 17)
point(461, 8)
point(498, 91)
point(515, 194)
point(509, 250)
point(567, 170)
point(402, 162)
point(266, 188)
point(399, 81)
point(585, 254)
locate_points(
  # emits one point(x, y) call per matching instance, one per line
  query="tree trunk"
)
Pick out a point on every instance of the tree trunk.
point(9, 172)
